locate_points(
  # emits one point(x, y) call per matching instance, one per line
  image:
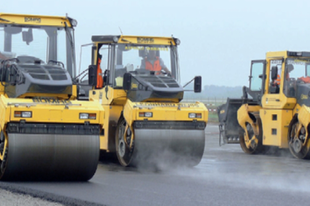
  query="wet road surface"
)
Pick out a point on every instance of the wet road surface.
point(225, 176)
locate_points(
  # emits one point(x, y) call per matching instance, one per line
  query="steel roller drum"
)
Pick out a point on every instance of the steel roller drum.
point(51, 156)
point(168, 147)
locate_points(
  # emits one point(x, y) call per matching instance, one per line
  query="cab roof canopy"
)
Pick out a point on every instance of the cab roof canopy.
point(286, 54)
point(142, 40)
point(40, 20)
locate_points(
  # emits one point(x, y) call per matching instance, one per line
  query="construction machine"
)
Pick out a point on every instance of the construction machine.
point(278, 113)
point(145, 121)
point(45, 132)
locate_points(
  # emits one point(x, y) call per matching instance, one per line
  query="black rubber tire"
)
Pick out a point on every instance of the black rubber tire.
point(304, 151)
point(259, 147)
point(4, 152)
point(123, 152)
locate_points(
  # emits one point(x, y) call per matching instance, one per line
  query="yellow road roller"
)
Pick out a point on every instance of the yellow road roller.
point(45, 131)
point(137, 81)
point(277, 114)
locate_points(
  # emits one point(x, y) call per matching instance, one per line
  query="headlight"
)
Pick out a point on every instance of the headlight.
point(194, 115)
point(83, 116)
point(87, 116)
point(115, 39)
point(145, 114)
point(24, 114)
point(74, 22)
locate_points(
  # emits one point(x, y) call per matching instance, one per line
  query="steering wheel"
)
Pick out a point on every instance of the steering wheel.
point(165, 73)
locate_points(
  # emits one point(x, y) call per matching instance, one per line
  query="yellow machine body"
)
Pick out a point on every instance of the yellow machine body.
point(45, 131)
point(162, 111)
point(278, 115)
point(140, 117)
point(24, 19)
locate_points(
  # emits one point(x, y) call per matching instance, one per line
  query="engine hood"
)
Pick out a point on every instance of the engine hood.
point(154, 87)
point(35, 78)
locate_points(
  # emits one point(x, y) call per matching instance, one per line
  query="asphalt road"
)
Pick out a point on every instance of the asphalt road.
point(225, 176)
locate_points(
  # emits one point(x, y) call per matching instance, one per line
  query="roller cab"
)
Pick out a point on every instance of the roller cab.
point(137, 80)
point(46, 133)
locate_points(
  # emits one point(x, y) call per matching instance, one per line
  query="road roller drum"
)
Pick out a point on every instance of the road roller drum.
point(50, 157)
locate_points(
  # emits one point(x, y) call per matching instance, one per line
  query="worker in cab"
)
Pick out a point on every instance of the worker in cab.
point(99, 84)
point(277, 81)
point(152, 62)
point(289, 68)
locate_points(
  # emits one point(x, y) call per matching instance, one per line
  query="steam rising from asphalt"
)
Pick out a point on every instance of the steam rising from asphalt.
point(281, 172)
point(164, 160)
point(230, 166)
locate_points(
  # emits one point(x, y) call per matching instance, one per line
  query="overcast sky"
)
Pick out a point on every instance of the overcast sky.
point(218, 38)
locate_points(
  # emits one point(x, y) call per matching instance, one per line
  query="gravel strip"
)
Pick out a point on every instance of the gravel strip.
point(10, 198)
point(12, 194)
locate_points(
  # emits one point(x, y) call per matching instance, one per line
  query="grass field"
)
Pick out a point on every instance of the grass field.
point(213, 117)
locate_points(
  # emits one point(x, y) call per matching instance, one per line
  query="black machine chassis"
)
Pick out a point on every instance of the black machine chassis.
point(188, 125)
point(44, 128)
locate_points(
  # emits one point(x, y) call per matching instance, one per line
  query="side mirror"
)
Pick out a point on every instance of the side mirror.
point(12, 76)
point(92, 75)
point(27, 36)
point(274, 73)
point(197, 84)
point(127, 81)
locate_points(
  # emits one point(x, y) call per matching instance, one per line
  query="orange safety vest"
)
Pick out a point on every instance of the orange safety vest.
point(99, 75)
point(156, 67)
point(278, 80)
point(305, 79)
